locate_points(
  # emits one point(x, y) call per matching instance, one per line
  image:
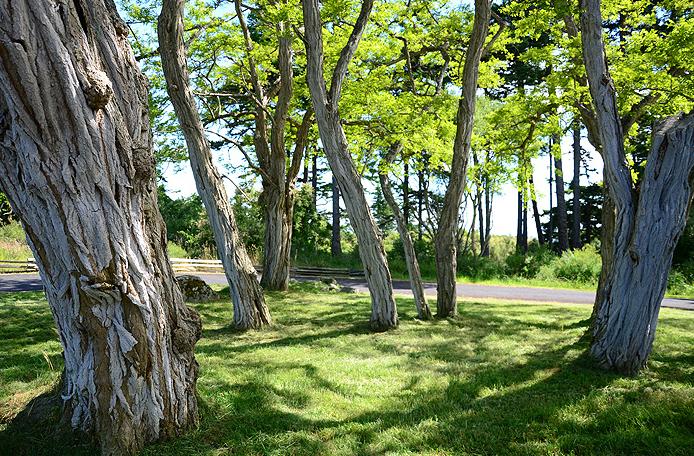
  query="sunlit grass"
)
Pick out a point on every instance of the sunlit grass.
point(503, 378)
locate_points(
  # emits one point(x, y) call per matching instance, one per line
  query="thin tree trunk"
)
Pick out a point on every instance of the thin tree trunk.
point(247, 297)
point(480, 216)
point(420, 301)
point(536, 212)
point(406, 193)
point(420, 205)
point(77, 166)
point(314, 179)
point(643, 227)
point(336, 239)
point(488, 196)
point(576, 184)
point(521, 238)
point(562, 224)
point(445, 240)
point(383, 309)
point(550, 225)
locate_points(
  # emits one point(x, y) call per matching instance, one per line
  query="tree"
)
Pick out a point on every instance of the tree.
point(445, 240)
point(644, 223)
point(325, 103)
point(576, 187)
point(247, 297)
point(420, 300)
point(76, 162)
point(269, 141)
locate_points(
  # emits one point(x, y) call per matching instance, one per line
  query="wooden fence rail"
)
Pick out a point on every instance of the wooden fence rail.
point(181, 265)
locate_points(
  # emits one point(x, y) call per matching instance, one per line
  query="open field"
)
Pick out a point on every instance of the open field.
point(503, 378)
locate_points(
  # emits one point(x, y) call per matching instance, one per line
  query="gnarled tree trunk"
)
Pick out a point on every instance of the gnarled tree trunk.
point(77, 165)
point(336, 238)
point(642, 225)
point(247, 297)
point(325, 103)
point(445, 239)
point(420, 300)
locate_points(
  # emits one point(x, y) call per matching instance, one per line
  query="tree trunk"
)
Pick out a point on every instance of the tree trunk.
point(76, 163)
point(642, 226)
point(250, 310)
point(488, 196)
point(336, 239)
point(550, 224)
point(480, 216)
point(314, 179)
point(576, 184)
point(522, 225)
point(445, 240)
point(420, 300)
point(406, 193)
point(536, 212)
point(562, 224)
point(278, 212)
point(420, 205)
point(383, 309)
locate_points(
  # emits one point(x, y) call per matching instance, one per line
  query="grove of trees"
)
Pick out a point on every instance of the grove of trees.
point(410, 115)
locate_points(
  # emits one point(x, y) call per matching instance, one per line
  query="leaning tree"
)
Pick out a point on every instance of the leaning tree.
point(247, 297)
point(77, 166)
point(445, 241)
point(325, 103)
point(643, 222)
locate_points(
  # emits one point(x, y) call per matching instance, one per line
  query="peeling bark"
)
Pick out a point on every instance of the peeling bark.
point(250, 311)
point(76, 163)
point(642, 225)
point(325, 103)
point(445, 239)
point(420, 300)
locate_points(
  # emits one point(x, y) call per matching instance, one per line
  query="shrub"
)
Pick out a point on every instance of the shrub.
point(580, 266)
point(528, 265)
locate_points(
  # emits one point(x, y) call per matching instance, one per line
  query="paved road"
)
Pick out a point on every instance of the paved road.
point(30, 282)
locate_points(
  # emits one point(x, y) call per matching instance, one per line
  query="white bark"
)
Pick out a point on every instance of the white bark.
point(642, 225)
point(325, 104)
point(250, 311)
point(76, 162)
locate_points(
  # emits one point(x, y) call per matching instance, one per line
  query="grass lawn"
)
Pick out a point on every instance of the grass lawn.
point(503, 378)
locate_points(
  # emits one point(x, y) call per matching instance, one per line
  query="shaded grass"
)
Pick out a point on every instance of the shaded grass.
point(503, 378)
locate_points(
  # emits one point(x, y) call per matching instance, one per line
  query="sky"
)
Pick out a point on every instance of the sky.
point(180, 183)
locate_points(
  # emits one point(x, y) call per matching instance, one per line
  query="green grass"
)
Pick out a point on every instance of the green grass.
point(503, 378)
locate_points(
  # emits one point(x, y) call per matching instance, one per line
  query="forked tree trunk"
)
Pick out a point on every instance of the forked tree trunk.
point(373, 256)
point(638, 257)
point(445, 239)
point(642, 226)
point(250, 311)
point(420, 300)
point(77, 165)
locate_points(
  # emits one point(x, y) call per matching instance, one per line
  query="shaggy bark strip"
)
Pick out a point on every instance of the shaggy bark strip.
point(250, 311)
point(76, 163)
point(445, 239)
point(420, 300)
point(642, 225)
point(325, 103)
